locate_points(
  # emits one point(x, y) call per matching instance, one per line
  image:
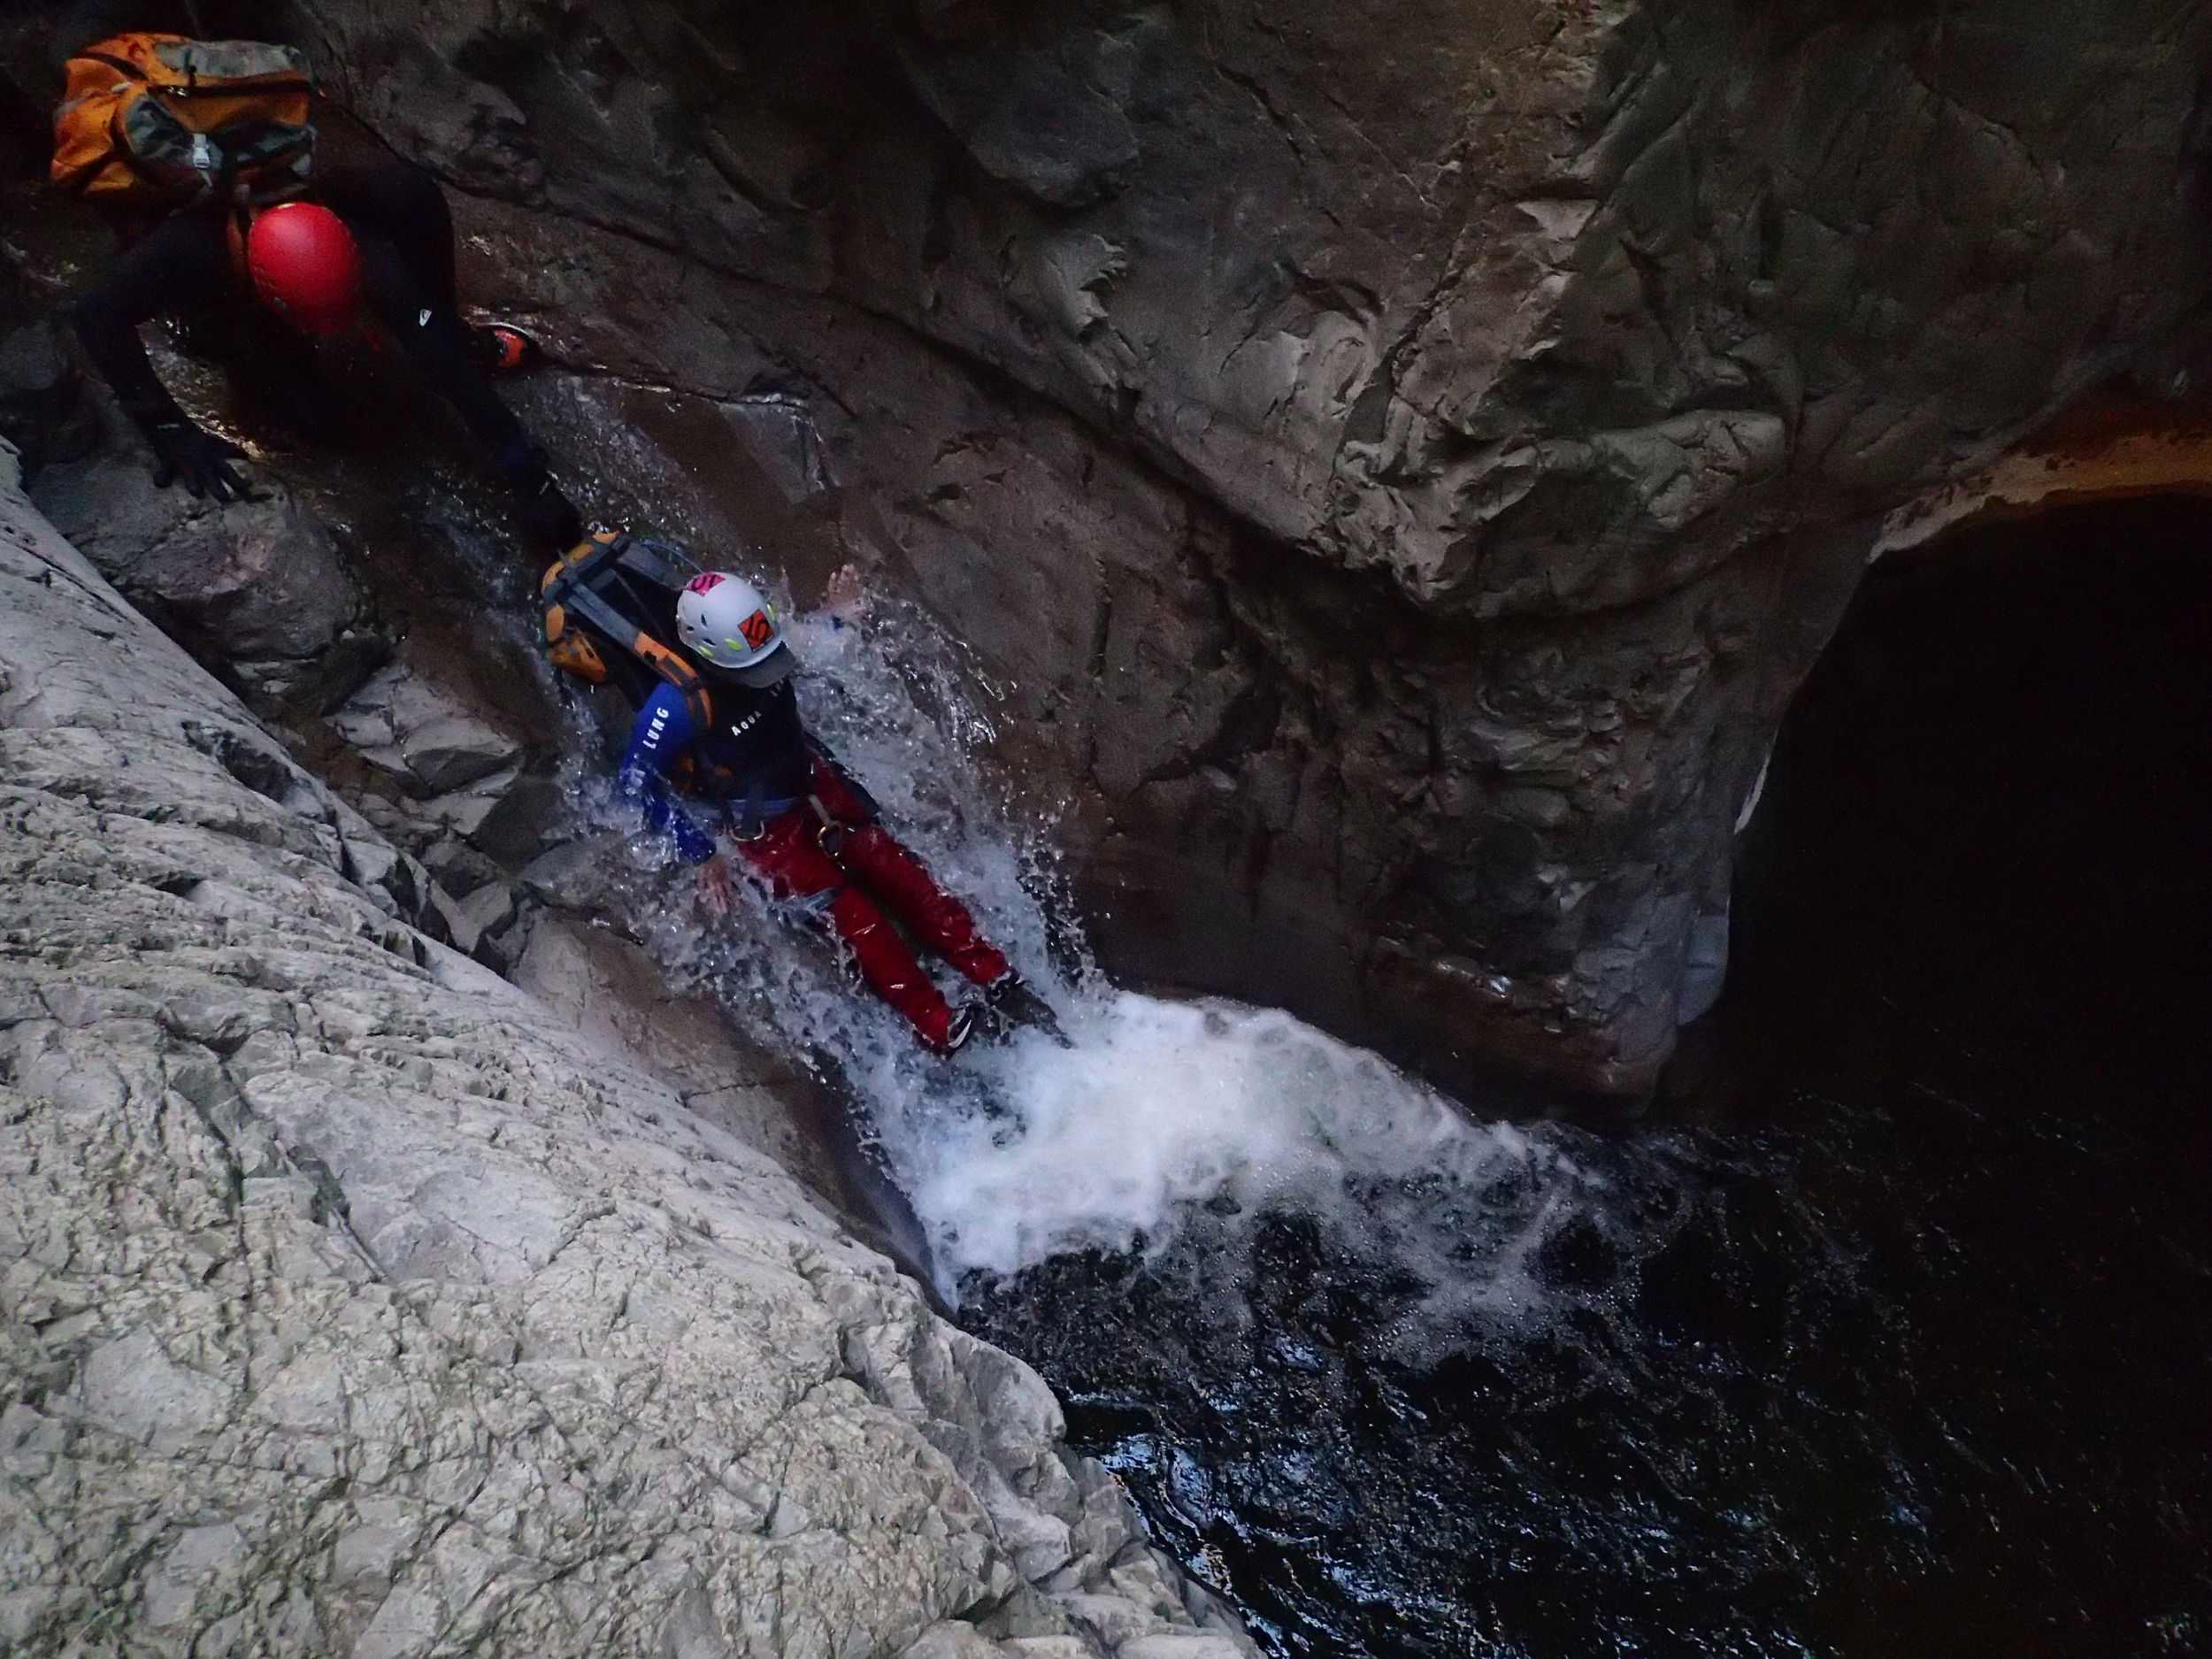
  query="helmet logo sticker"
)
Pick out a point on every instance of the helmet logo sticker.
point(758, 629)
point(704, 582)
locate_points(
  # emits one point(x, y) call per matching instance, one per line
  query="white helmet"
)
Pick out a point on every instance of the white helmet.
point(725, 618)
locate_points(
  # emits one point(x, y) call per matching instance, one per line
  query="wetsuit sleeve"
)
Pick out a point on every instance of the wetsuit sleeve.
point(662, 733)
point(400, 221)
point(183, 262)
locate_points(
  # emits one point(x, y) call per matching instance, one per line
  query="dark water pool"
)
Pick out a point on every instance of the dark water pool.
point(1892, 1335)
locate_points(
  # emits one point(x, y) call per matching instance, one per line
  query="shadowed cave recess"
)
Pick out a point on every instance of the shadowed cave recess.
point(1888, 1333)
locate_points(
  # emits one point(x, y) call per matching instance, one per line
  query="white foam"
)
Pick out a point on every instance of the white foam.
point(1161, 1107)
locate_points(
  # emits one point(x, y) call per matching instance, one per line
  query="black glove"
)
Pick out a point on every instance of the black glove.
point(548, 517)
point(199, 460)
point(551, 518)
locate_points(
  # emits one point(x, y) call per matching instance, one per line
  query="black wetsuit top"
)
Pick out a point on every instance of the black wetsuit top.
point(754, 762)
point(757, 742)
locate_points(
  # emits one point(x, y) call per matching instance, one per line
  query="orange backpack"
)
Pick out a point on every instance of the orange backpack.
point(158, 121)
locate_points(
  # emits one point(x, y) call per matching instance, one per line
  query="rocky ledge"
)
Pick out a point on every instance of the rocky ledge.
point(356, 1304)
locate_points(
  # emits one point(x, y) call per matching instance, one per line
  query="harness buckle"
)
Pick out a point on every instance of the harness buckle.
point(829, 835)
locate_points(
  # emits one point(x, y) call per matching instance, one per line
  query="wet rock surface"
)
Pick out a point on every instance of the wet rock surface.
point(256, 587)
point(1398, 463)
point(405, 727)
point(356, 1302)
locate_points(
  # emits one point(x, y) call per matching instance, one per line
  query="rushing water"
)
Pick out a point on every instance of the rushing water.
point(1893, 1337)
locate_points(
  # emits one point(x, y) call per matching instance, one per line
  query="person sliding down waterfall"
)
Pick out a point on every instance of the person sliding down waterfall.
point(728, 732)
point(802, 829)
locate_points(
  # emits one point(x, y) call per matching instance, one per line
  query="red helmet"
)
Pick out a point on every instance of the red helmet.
point(306, 266)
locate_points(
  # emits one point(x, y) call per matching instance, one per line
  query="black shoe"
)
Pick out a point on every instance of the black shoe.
point(1010, 998)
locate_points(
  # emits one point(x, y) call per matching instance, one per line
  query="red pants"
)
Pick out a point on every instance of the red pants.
point(872, 874)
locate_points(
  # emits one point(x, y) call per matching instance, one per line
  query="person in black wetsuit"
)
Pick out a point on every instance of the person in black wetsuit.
point(183, 265)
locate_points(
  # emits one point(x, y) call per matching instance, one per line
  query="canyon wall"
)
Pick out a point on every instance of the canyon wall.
point(1395, 459)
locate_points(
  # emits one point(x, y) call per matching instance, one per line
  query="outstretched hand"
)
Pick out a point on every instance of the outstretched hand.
point(183, 454)
point(844, 598)
point(715, 891)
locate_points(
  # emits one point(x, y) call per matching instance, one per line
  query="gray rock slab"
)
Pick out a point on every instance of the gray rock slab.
point(354, 1302)
point(409, 727)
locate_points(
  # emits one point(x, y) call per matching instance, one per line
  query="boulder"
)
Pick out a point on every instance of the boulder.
point(42, 412)
point(525, 821)
point(255, 582)
point(460, 869)
point(409, 727)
